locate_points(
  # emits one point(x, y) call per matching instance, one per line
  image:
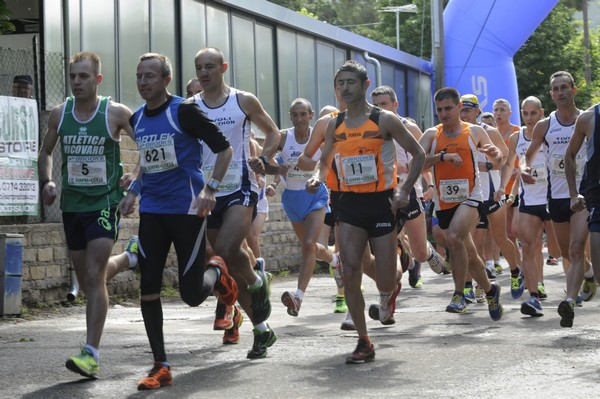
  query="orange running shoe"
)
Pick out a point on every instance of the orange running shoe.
point(223, 317)
point(226, 286)
point(159, 376)
point(232, 336)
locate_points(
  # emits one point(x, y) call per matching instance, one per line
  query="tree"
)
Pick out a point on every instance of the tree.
point(556, 45)
point(5, 24)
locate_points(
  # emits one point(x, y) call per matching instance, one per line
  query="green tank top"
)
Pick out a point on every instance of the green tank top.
point(91, 161)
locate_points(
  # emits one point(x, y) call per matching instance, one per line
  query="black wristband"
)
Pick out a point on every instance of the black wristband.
point(442, 153)
point(43, 183)
point(265, 160)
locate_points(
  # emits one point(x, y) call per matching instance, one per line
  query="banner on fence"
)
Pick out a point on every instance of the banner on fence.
point(19, 183)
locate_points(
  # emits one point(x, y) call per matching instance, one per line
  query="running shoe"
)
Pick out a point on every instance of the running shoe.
point(517, 285)
point(348, 323)
point(551, 261)
point(479, 294)
point(292, 303)
point(223, 317)
point(542, 290)
point(532, 307)
point(491, 273)
point(469, 294)
point(260, 264)
point(159, 376)
point(337, 272)
point(387, 306)
point(362, 354)
point(84, 363)
point(457, 304)
point(579, 301)
point(133, 248)
point(588, 289)
point(566, 310)
point(261, 304)
point(498, 268)
point(447, 267)
point(262, 341)
point(340, 304)
point(374, 312)
point(495, 308)
point(232, 335)
point(225, 286)
point(414, 275)
point(436, 262)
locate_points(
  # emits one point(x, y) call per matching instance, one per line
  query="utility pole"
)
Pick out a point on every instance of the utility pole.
point(437, 35)
point(586, 43)
point(412, 8)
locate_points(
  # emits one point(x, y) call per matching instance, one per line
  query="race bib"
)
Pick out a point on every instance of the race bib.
point(359, 169)
point(540, 173)
point(455, 190)
point(295, 173)
point(558, 165)
point(158, 156)
point(231, 181)
point(87, 170)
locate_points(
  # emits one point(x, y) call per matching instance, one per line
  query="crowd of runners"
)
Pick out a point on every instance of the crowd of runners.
point(455, 197)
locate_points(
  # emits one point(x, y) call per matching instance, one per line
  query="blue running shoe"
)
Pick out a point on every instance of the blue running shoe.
point(469, 294)
point(532, 307)
point(517, 285)
point(457, 304)
point(494, 306)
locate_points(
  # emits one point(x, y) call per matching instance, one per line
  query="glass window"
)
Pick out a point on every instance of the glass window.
point(307, 84)
point(244, 68)
point(288, 72)
point(162, 38)
point(265, 67)
point(325, 73)
point(98, 21)
point(400, 87)
point(193, 37)
point(134, 32)
point(217, 33)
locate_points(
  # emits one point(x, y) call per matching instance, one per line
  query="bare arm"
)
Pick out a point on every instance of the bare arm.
point(507, 168)
point(584, 127)
point(257, 114)
point(317, 137)
point(49, 192)
point(537, 139)
point(312, 185)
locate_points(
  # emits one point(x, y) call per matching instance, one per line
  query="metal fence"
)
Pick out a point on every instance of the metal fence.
point(47, 71)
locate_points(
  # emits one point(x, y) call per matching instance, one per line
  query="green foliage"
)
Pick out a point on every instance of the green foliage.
point(5, 24)
point(556, 45)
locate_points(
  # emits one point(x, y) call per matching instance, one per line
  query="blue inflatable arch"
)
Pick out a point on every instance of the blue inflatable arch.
point(480, 39)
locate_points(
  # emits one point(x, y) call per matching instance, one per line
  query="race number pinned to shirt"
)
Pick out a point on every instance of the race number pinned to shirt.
point(359, 169)
point(87, 170)
point(454, 190)
point(158, 156)
point(231, 181)
point(540, 173)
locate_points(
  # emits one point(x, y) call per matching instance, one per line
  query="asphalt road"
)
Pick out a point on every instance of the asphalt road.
point(428, 353)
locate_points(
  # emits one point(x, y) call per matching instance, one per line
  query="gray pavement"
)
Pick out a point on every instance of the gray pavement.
point(428, 353)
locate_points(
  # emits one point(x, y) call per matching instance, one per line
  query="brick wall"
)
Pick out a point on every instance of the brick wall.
point(46, 266)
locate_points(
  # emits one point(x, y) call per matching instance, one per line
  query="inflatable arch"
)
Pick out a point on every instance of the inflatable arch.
point(480, 39)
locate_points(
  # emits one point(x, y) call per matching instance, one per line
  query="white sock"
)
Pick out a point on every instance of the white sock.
point(299, 294)
point(257, 283)
point(335, 260)
point(589, 273)
point(133, 259)
point(489, 263)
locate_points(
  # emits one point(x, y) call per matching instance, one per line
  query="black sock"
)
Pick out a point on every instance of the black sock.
point(492, 291)
point(535, 295)
point(468, 284)
point(153, 320)
point(515, 273)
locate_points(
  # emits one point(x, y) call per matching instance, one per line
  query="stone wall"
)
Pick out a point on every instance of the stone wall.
point(46, 266)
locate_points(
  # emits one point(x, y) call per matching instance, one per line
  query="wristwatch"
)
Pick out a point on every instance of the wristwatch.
point(213, 184)
point(489, 165)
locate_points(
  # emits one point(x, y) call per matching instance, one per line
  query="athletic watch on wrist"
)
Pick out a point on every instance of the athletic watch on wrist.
point(213, 184)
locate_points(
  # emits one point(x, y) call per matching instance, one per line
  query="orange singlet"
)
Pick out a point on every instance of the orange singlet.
point(364, 162)
point(455, 185)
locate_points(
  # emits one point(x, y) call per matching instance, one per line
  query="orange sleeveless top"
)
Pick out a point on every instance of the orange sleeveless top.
point(364, 162)
point(455, 185)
